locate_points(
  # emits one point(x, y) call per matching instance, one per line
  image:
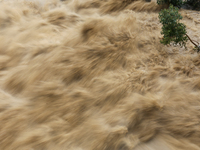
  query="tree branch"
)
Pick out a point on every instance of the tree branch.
point(192, 41)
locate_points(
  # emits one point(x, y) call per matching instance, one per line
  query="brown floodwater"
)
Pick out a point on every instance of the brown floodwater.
point(93, 75)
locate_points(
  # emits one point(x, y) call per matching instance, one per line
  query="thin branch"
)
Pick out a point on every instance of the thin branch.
point(196, 42)
point(192, 41)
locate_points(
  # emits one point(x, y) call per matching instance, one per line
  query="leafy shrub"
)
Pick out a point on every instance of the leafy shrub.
point(195, 4)
point(172, 29)
point(177, 3)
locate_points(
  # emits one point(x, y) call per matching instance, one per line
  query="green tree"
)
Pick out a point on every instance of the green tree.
point(177, 3)
point(194, 4)
point(173, 31)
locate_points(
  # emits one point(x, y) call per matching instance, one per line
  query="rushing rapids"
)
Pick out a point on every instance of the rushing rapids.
point(92, 75)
